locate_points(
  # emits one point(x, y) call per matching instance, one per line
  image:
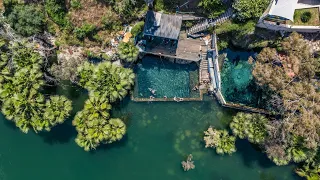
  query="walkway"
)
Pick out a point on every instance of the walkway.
point(204, 25)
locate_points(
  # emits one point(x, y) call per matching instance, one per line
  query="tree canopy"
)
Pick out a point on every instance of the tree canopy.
point(251, 126)
point(21, 82)
point(106, 83)
point(27, 19)
point(213, 8)
point(288, 77)
point(220, 140)
point(250, 9)
point(128, 51)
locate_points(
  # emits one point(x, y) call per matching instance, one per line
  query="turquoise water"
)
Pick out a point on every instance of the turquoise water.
point(160, 136)
point(167, 78)
point(237, 81)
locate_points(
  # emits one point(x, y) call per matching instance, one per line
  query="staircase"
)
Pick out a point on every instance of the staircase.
point(203, 71)
point(199, 27)
point(204, 25)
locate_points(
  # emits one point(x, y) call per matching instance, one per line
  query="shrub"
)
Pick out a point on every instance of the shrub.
point(213, 8)
point(57, 12)
point(27, 19)
point(138, 28)
point(128, 51)
point(306, 16)
point(249, 9)
point(84, 31)
point(76, 4)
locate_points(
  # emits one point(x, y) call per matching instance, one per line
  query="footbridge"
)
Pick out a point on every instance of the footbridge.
point(205, 24)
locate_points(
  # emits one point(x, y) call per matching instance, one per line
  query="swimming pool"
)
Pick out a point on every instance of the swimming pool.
point(165, 78)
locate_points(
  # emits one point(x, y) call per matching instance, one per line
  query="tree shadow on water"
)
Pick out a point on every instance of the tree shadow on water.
point(60, 134)
point(9, 124)
point(115, 145)
point(252, 154)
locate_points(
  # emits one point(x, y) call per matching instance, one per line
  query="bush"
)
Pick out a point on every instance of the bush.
point(128, 52)
point(213, 8)
point(138, 28)
point(76, 4)
point(249, 9)
point(306, 16)
point(27, 19)
point(84, 31)
point(57, 12)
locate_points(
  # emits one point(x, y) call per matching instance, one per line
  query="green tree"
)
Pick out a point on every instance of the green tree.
point(250, 9)
point(57, 12)
point(27, 19)
point(251, 126)
point(310, 170)
point(213, 8)
point(128, 52)
point(94, 126)
point(221, 140)
point(137, 28)
point(107, 79)
point(21, 81)
point(84, 31)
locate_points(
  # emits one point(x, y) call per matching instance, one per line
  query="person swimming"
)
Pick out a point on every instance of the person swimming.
point(153, 91)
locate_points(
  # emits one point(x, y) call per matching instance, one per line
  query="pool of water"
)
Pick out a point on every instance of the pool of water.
point(167, 78)
point(160, 136)
point(237, 81)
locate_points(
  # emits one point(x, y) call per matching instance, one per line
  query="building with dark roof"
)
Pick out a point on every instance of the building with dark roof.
point(162, 25)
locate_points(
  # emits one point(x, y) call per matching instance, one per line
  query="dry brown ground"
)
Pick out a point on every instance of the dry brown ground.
point(92, 12)
point(1, 5)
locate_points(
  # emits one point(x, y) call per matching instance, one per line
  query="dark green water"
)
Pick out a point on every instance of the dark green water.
point(159, 137)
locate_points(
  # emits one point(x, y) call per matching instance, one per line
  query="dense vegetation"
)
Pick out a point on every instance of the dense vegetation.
point(22, 80)
point(28, 67)
point(250, 9)
point(287, 74)
point(128, 52)
point(213, 8)
point(220, 140)
point(106, 83)
point(27, 20)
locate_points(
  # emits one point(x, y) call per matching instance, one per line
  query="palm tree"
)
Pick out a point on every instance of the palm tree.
point(93, 125)
point(23, 56)
point(251, 126)
point(238, 125)
point(221, 140)
point(117, 131)
point(128, 52)
point(57, 109)
point(106, 79)
point(310, 171)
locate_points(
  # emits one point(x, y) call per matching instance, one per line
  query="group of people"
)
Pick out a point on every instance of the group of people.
point(177, 99)
point(153, 93)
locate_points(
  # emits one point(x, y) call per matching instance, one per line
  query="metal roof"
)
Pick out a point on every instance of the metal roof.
point(283, 8)
point(162, 25)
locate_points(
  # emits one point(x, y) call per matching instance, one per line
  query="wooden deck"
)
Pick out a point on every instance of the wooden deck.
point(187, 49)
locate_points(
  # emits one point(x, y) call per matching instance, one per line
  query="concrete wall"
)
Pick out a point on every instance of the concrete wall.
point(288, 28)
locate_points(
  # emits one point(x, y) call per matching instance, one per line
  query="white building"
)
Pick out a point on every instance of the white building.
point(280, 15)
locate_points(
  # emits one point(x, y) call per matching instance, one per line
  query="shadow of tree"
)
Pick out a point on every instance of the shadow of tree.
point(252, 154)
point(9, 124)
point(115, 145)
point(62, 133)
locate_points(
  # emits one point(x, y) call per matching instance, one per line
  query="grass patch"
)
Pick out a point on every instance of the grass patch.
point(307, 17)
